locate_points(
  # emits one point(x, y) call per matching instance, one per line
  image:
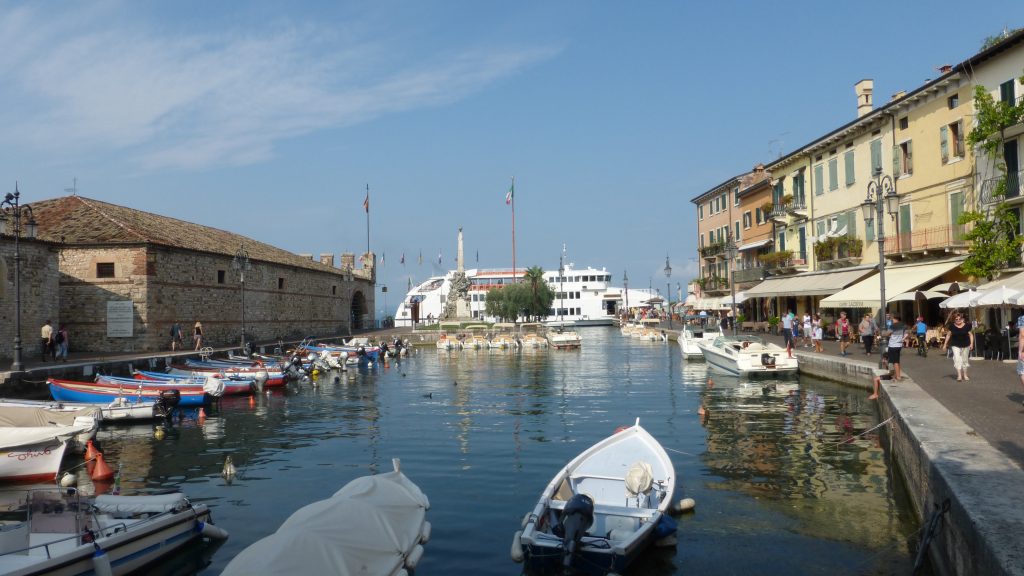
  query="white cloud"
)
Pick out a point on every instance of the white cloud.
point(94, 80)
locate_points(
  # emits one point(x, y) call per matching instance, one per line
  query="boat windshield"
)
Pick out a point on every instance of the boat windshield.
point(747, 339)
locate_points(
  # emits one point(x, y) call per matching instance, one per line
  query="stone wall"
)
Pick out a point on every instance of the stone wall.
point(40, 297)
point(168, 285)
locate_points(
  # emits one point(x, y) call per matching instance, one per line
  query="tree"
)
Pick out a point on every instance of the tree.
point(993, 237)
point(991, 41)
point(540, 293)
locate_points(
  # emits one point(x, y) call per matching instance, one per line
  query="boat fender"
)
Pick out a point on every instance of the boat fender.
point(414, 557)
point(687, 505)
point(425, 532)
point(101, 562)
point(665, 528)
point(526, 520)
point(212, 532)
point(517, 547)
point(68, 479)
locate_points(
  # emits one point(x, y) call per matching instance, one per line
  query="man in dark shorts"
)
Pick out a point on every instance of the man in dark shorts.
point(897, 333)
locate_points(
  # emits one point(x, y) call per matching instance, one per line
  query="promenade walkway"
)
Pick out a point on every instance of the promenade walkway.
point(990, 403)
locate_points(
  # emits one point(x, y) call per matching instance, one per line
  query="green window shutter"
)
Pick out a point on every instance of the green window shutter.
point(819, 180)
point(782, 241)
point(821, 228)
point(956, 208)
point(848, 158)
point(851, 224)
point(876, 156)
point(958, 145)
point(833, 174)
point(869, 229)
point(896, 161)
point(944, 143)
point(910, 156)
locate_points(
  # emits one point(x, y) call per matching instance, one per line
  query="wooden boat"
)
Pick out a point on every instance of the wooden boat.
point(233, 385)
point(564, 336)
point(34, 453)
point(692, 333)
point(747, 354)
point(602, 509)
point(274, 377)
point(59, 533)
point(373, 525)
point(650, 330)
point(96, 392)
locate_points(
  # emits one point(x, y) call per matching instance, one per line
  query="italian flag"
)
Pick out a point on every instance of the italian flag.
point(511, 193)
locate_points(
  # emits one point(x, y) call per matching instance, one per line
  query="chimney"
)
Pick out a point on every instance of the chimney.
point(864, 88)
point(327, 259)
point(348, 260)
point(310, 256)
point(946, 68)
point(899, 95)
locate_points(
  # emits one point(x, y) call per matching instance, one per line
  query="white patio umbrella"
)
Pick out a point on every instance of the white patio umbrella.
point(995, 297)
point(961, 300)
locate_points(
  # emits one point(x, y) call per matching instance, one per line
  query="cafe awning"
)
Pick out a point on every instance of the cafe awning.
point(809, 283)
point(753, 245)
point(898, 279)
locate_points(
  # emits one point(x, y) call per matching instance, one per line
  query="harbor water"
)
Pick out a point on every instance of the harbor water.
point(787, 475)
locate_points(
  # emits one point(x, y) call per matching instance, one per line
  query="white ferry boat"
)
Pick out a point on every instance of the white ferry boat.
point(584, 296)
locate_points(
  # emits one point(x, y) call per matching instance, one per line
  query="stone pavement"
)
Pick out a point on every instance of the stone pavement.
point(990, 403)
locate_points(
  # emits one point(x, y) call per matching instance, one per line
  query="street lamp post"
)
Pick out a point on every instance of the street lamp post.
point(561, 292)
point(730, 255)
point(881, 198)
point(625, 288)
point(12, 209)
point(668, 290)
point(241, 263)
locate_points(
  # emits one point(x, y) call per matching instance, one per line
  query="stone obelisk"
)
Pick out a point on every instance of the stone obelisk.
point(457, 306)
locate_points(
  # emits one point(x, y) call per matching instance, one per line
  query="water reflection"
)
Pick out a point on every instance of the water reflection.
point(776, 471)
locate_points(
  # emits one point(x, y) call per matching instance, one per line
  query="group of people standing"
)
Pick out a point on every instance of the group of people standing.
point(810, 328)
point(54, 343)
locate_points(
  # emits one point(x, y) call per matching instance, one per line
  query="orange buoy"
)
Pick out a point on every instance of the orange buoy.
point(252, 401)
point(202, 415)
point(101, 471)
point(90, 450)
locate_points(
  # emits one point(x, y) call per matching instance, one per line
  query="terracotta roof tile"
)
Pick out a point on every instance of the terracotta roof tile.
point(80, 220)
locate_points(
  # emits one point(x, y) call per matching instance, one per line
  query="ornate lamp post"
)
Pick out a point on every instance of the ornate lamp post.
point(241, 263)
point(561, 291)
point(881, 198)
point(730, 256)
point(12, 211)
point(668, 290)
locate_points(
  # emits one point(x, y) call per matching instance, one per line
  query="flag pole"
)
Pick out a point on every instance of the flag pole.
point(366, 206)
point(512, 191)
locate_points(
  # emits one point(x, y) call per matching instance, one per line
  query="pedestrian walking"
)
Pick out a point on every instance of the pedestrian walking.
point(60, 341)
point(897, 333)
point(817, 331)
point(962, 340)
point(921, 331)
point(843, 331)
point(197, 335)
point(787, 332)
point(46, 340)
point(867, 329)
point(808, 332)
point(177, 338)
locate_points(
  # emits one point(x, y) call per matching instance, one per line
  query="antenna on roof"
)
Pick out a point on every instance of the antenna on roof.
point(74, 187)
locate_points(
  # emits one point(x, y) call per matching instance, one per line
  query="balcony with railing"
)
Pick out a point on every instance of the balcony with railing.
point(939, 239)
point(990, 188)
point(755, 274)
point(712, 251)
point(797, 208)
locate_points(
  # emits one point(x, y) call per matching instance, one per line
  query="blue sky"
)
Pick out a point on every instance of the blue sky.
point(269, 119)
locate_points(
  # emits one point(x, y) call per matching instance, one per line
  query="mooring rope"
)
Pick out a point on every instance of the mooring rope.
point(869, 430)
point(928, 533)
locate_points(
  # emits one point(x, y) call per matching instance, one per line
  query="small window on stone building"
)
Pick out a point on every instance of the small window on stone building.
point(334, 290)
point(104, 269)
point(280, 283)
point(220, 276)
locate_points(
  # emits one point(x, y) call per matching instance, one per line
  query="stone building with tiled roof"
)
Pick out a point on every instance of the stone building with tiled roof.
point(177, 271)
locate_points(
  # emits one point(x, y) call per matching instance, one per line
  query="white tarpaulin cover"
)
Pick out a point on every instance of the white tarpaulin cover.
point(367, 528)
point(13, 437)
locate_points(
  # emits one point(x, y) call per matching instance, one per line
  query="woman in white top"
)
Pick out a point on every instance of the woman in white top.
point(808, 333)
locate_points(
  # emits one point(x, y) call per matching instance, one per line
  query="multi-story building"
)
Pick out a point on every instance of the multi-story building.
point(717, 224)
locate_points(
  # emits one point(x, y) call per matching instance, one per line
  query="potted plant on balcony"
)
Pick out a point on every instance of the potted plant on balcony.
point(825, 250)
point(786, 200)
point(778, 259)
point(766, 209)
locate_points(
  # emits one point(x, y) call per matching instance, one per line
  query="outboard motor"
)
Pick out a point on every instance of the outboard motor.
point(167, 402)
point(767, 360)
point(577, 517)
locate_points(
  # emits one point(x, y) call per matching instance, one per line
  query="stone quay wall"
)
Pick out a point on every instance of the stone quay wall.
point(170, 285)
point(40, 297)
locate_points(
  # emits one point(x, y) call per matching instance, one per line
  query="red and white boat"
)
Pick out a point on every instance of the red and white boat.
point(34, 453)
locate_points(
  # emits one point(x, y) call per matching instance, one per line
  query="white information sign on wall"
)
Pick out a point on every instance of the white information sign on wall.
point(120, 318)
